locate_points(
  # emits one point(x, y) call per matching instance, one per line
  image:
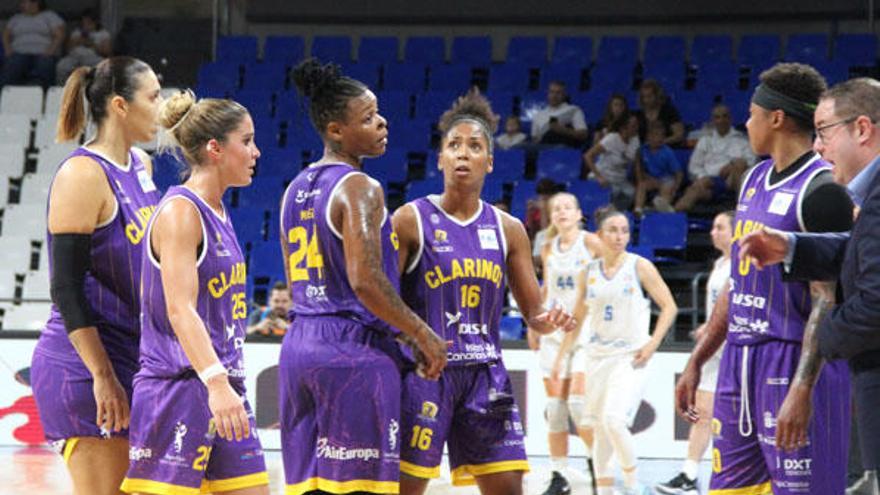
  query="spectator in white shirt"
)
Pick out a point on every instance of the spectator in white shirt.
point(512, 135)
point(31, 41)
point(559, 122)
point(88, 44)
point(718, 163)
point(611, 160)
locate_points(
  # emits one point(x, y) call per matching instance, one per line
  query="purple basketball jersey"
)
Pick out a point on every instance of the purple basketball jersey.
point(762, 306)
point(221, 302)
point(112, 282)
point(456, 282)
point(313, 250)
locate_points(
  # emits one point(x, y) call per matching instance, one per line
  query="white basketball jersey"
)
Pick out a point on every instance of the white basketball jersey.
point(720, 274)
point(562, 271)
point(620, 314)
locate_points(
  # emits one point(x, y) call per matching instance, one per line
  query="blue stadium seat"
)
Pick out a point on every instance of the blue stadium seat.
point(612, 75)
point(528, 50)
point(493, 190)
point(738, 102)
point(332, 49)
point(287, 50)
point(510, 76)
point(266, 261)
point(405, 77)
point(412, 136)
point(378, 49)
point(509, 165)
point(502, 103)
point(593, 103)
point(237, 49)
point(618, 49)
point(390, 167)
point(717, 76)
point(249, 224)
point(289, 107)
point(425, 50)
point(559, 164)
point(807, 48)
point(683, 155)
point(590, 191)
point(711, 48)
point(166, 170)
point(420, 188)
point(395, 105)
point(695, 108)
point(569, 73)
point(856, 49)
point(268, 76)
point(431, 105)
point(646, 252)
point(219, 76)
point(267, 132)
point(262, 194)
point(304, 137)
point(257, 101)
point(834, 71)
point(523, 191)
point(279, 162)
point(449, 77)
point(664, 231)
point(669, 73)
point(512, 328)
point(472, 50)
point(669, 48)
point(758, 50)
point(577, 50)
point(364, 71)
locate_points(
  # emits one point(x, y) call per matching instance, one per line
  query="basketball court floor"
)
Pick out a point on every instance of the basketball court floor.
point(39, 471)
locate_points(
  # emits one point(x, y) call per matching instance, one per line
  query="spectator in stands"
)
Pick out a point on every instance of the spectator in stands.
point(512, 135)
point(654, 106)
point(272, 321)
point(616, 106)
point(611, 160)
point(559, 122)
point(31, 41)
point(657, 170)
point(718, 163)
point(88, 44)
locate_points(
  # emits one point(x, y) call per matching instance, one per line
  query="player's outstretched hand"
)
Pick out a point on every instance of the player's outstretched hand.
point(112, 401)
point(227, 407)
point(644, 354)
point(557, 317)
point(432, 350)
point(686, 393)
point(764, 247)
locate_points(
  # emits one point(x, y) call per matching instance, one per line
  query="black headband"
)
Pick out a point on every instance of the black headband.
point(771, 99)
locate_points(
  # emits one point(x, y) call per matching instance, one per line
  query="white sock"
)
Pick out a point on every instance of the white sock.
point(629, 478)
point(559, 464)
point(605, 490)
point(690, 468)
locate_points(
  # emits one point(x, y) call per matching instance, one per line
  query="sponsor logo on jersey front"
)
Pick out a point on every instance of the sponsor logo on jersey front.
point(302, 195)
point(327, 450)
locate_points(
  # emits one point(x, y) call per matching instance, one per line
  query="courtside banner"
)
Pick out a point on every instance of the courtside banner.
point(659, 434)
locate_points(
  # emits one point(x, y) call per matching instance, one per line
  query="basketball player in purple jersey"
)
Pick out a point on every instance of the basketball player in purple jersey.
point(339, 376)
point(456, 255)
point(191, 426)
point(83, 365)
point(781, 417)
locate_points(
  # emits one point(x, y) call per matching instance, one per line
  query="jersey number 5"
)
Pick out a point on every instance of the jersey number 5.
point(306, 249)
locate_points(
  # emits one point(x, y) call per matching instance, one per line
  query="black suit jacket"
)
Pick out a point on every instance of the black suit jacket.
point(852, 329)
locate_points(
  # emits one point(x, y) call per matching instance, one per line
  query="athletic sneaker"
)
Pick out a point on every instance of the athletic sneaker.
point(866, 485)
point(558, 485)
point(680, 485)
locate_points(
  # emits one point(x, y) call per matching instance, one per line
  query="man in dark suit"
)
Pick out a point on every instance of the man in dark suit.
point(847, 135)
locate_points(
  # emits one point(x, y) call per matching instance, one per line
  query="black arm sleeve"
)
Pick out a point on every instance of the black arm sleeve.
point(71, 255)
point(827, 206)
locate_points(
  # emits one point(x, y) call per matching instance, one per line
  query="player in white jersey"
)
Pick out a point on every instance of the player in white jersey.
point(612, 294)
point(685, 483)
point(564, 257)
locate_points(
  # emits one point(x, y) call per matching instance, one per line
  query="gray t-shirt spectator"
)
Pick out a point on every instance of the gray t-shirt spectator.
point(32, 34)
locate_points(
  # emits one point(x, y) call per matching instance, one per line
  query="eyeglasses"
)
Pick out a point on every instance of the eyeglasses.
point(823, 135)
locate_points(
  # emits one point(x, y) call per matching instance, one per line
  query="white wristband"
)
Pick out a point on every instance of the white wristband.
point(212, 371)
